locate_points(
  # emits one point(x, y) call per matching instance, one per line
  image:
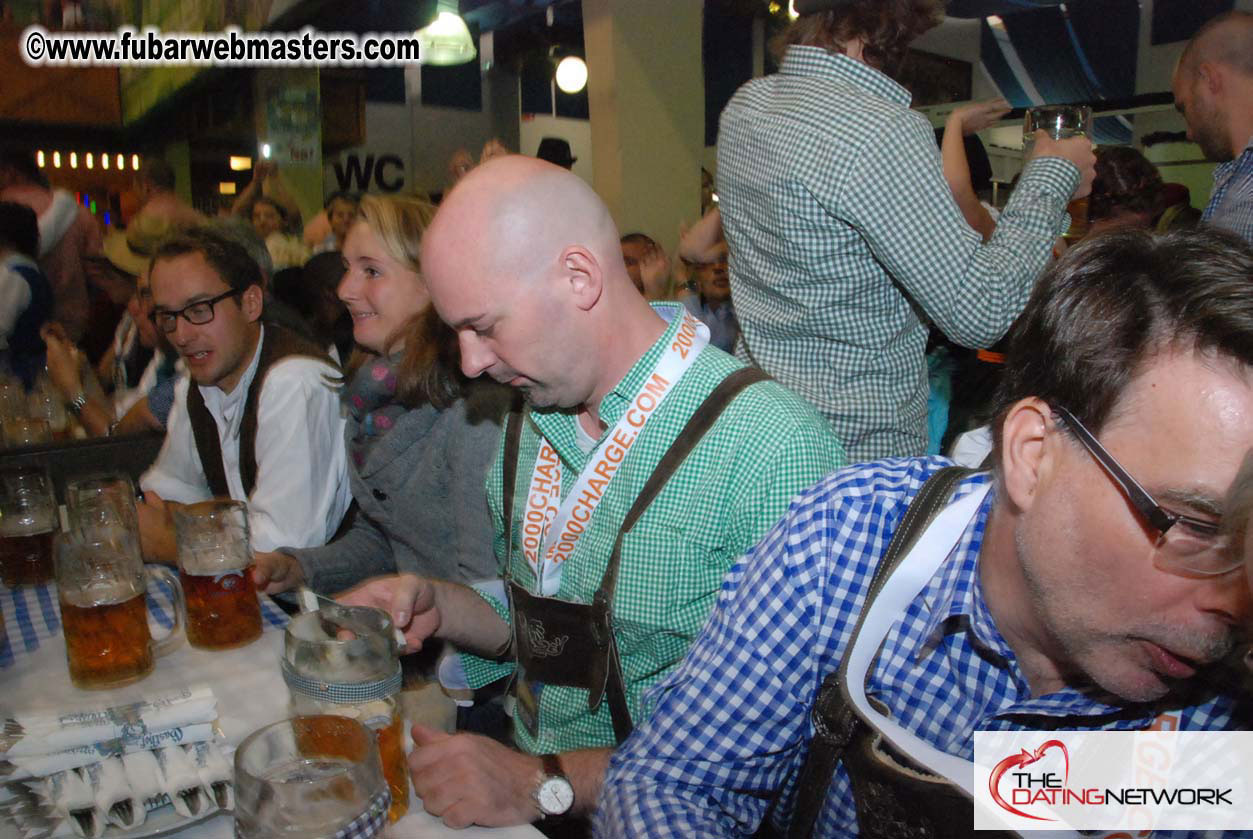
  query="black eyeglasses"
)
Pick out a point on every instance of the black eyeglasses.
point(1184, 542)
point(198, 313)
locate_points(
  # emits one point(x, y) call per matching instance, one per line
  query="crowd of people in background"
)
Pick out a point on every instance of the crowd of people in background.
point(489, 411)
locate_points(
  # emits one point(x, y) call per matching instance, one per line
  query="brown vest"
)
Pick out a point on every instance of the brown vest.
point(278, 343)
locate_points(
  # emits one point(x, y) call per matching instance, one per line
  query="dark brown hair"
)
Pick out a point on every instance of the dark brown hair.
point(1111, 304)
point(1125, 182)
point(429, 363)
point(887, 27)
point(228, 259)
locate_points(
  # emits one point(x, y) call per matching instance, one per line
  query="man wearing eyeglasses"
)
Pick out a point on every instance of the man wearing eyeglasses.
point(260, 419)
point(1085, 582)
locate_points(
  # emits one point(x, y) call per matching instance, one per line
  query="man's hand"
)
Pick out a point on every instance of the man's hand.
point(262, 169)
point(973, 118)
point(702, 242)
point(466, 779)
point(1078, 150)
point(408, 598)
point(273, 571)
point(63, 360)
point(655, 272)
point(156, 529)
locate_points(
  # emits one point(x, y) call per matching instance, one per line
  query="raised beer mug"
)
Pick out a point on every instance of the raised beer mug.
point(214, 564)
point(103, 588)
point(343, 660)
point(28, 522)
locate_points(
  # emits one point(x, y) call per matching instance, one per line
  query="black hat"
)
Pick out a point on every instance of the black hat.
point(556, 151)
point(807, 7)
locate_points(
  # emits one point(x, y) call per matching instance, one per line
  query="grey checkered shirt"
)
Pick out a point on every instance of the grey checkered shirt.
point(844, 236)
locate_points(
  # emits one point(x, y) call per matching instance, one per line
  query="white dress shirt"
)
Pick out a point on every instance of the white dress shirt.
point(301, 491)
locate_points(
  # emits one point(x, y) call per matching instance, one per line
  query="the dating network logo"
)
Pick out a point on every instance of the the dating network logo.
point(1025, 787)
point(1159, 778)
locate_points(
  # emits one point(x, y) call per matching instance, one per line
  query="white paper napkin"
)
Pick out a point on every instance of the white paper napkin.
point(44, 733)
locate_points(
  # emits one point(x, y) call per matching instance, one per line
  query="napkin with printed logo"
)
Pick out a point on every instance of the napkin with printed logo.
point(43, 743)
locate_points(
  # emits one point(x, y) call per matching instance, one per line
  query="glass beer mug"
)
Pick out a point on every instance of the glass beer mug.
point(343, 660)
point(214, 565)
point(312, 777)
point(104, 499)
point(1061, 122)
point(28, 522)
point(102, 585)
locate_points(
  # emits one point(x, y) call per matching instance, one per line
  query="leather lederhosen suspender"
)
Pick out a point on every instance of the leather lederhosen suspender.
point(895, 798)
point(278, 344)
point(572, 644)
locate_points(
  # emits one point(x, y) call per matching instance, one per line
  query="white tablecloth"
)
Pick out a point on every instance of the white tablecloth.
point(250, 693)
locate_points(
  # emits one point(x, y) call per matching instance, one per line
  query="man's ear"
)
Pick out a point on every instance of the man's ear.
point(252, 301)
point(1025, 457)
point(1211, 75)
point(581, 270)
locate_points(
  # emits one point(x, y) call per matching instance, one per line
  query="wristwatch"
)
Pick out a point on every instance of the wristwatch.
point(553, 794)
point(75, 405)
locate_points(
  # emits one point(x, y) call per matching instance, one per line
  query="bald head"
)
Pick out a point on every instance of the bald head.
point(1213, 86)
point(519, 213)
point(1226, 39)
point(523, 261)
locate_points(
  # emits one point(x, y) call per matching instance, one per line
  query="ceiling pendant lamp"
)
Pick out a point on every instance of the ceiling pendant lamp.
point(446, 40)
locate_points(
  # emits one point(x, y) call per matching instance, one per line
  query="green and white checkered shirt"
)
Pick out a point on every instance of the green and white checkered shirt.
point(844, 235)
point(733, 487)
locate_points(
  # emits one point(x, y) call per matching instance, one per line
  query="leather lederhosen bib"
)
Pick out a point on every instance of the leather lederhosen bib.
point(559, 642)
point(895, 797)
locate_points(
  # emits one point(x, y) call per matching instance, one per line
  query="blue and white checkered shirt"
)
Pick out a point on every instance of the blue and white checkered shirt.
point(731, 726)
point(1231, 205)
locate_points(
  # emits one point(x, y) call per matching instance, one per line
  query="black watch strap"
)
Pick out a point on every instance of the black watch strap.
point(552, 766)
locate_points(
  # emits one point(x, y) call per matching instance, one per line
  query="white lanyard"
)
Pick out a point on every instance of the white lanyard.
point(568, 522)
point(913, 573)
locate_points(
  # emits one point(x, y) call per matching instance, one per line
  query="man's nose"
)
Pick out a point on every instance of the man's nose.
point(183, 332)
point(475, 357)
point(1227, 598)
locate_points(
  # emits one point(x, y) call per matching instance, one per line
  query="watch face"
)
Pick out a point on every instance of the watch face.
point(555, 796)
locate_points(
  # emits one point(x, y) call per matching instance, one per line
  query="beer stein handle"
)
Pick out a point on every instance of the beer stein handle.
point(174, 639)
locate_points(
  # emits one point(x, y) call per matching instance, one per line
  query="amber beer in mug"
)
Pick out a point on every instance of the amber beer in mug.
point(342, 661)
point(28, 521)
point(26, 559)
point(215, 566)
point(102, 587)
point(107, 643)
point(222, 610)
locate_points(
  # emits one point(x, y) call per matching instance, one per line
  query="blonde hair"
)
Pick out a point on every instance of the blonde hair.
point(428, 369)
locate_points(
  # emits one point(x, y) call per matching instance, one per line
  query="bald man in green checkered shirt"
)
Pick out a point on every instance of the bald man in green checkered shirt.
point(523, 261)
point(845, 238)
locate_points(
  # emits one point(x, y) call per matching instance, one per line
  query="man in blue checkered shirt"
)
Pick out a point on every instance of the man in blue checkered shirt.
point(1092, 588)
point(1213, 89)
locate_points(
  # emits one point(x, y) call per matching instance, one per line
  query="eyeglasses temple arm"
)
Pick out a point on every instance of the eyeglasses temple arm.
point(1140, 498)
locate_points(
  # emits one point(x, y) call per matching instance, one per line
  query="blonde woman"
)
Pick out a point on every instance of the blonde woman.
point(419, 436)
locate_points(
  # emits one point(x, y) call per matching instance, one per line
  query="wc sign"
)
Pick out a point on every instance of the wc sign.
point(368, 171)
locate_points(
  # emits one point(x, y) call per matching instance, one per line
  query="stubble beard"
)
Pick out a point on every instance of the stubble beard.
point(1089, 652)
